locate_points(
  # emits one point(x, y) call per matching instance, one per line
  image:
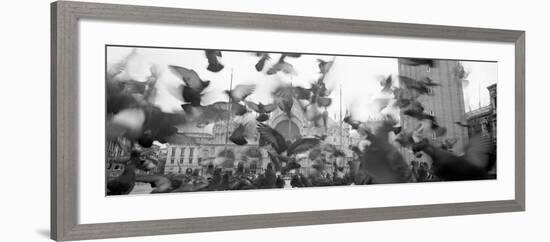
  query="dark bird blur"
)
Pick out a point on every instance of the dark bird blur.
point(270, 136)
point(472, 165)
point(240, 92)
point(261, 109)
point(417, 62)
point(214, 64)
point(194, 85)
point(386, 85)
point(261, 63)
point(283, 66)
point(381, 160)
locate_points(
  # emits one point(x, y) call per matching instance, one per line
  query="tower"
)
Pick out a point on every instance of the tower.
point(445, 102)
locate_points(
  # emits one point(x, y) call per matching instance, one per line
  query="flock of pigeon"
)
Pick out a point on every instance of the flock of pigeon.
point(131, 114)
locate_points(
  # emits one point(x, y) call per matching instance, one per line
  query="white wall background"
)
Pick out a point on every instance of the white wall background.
point(24, 59)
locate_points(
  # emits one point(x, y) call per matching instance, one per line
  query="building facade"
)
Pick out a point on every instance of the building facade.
point(189, 152)
point(484, 119)
point(445, 102)
point(205, 145)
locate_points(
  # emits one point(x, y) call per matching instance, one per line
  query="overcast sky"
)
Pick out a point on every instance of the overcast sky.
point(358, 77)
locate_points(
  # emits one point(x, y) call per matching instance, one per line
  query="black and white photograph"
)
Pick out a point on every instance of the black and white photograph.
point(199, 120)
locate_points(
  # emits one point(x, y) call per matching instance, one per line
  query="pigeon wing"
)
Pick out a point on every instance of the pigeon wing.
point(252, 106)
point(270, 108)
point(242, 91)
point(190, 77)
point(272, 137)
point(303, 145)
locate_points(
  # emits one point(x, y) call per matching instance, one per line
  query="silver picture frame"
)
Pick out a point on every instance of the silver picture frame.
point(65, 16)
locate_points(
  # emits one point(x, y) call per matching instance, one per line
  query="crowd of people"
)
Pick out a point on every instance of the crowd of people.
point(137, 169)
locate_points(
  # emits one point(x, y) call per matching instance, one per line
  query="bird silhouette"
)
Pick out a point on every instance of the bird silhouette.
point(419, 86)
point(276, 160)
point(127, 93)
point(417, 112)
point(159, 126)
point(290, 165)
point(245, 130)
point(272, 137)
point(126, 123)
point(404, 97)
point(417, 62)
point(302, 93)
point(386, 84)
point(353, 123)
point(302, 145)
point(204, 115)
point(381, 160)
point(214, 64)
point(429, 82)
point(261, 63)
point(194, 85)
point(237, 136)
point(324, 66)
point(469, 166)
point(262, 110)
point(240, 92)
point(283, 97)
point(282, 66)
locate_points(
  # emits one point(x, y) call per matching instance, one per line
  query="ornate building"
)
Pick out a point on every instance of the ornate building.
point(189, 151)
point(446, 102)
point(202, 146)
point(484, 119)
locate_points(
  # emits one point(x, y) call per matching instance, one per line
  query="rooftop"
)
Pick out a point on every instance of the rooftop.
point(479, 112)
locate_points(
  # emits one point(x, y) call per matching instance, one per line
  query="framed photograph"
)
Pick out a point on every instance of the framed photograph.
point(169, 120)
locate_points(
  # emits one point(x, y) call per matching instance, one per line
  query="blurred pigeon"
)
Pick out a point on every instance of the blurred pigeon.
point(302, 145)
point(261, 63)
point(282, 66)
point(261, 109)
point(381, 160)
point(413, 84)
point(386, 85)
point(417, 62)
point(272, 137)
point(214, 64)
point(240, 92)
point(469, 166)
point(283, 96)
point(194, 85)
point(324, 66)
